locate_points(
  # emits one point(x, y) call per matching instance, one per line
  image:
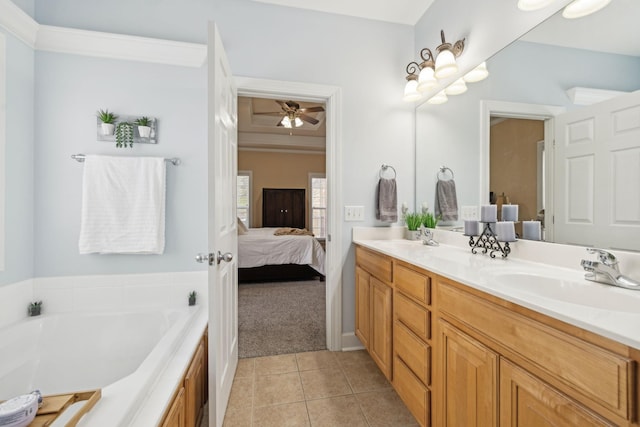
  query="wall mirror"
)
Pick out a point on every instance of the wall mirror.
point(532, 78)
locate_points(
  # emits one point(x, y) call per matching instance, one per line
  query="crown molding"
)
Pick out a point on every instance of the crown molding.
point(17, 22)
point(118, 46)
point(252, 140)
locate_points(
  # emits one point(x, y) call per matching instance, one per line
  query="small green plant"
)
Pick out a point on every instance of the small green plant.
point(143, 121)
point(124, 134)
point(430, 220)
point(106, 116)
point(192, 298)
point(413, 221)
point(34, 308)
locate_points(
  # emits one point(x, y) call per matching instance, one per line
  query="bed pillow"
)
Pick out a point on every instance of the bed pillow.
point(242, 229)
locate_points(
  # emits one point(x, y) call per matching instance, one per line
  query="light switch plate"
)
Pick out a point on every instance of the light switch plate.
point(354, 213)
point(469, 213)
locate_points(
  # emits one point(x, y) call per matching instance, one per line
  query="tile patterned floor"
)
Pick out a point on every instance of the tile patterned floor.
point(319, 388)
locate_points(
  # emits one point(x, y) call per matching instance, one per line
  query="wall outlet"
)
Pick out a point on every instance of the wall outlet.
point(469, 213)
point(354, 213)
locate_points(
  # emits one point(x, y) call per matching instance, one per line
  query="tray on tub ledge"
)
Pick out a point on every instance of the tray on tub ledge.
point(54, 405)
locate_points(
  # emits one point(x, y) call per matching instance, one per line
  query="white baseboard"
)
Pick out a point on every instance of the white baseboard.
point(350, 342)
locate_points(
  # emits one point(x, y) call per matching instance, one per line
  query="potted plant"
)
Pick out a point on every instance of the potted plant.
point(108, 120)
point(35, 308)
point(124, 134)
point(192, 298)
point(413, 221)
point(430, 220)
point(143, 126)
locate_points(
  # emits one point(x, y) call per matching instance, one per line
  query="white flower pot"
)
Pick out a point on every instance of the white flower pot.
point(411, 234)
point(144, 131)
point(108, 128)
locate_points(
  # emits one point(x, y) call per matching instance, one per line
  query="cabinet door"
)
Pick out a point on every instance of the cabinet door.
point(469, 380)
point(526, 401)
point(297, 208)
point(194, 382)
point(363, 312)
point(381, 322)
point(175, 417)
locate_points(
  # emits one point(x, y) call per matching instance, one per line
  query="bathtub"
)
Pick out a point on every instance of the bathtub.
point(135, 357)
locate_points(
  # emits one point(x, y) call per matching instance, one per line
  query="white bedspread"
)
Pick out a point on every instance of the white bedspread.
point(260, 247)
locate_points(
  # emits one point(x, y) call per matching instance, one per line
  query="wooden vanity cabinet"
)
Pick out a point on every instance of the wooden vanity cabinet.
point(175, 416)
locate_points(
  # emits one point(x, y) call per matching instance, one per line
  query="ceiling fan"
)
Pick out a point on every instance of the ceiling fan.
point(292, 115)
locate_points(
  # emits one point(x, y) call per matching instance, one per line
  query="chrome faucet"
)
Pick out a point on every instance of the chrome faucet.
point(606, 270)
point(426, 235)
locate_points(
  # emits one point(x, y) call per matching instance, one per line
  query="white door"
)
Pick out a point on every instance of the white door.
point(223, 238)
point(597, 172)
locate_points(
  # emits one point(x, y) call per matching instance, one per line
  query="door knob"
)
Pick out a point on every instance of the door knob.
point(226, 257)
point(208, 258)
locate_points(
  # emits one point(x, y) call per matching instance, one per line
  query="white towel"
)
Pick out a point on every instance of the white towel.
point(123, 205)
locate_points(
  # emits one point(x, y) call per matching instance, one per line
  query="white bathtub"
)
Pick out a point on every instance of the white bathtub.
point(135, 357)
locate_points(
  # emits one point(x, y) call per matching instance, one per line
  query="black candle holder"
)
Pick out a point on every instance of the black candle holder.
point(487, 241)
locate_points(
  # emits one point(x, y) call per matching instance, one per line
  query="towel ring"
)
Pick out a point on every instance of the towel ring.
point(384, 168)
point(442, 173)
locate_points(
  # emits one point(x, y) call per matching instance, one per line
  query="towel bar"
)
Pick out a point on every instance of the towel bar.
point(80, 158)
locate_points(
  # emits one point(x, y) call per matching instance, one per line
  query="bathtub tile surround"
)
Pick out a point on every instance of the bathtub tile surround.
point(14, 300)
point(322, 390)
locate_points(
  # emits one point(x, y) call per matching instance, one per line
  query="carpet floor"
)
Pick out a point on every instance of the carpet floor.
point(281, 318)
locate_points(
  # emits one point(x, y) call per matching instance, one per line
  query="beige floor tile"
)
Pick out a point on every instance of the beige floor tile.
point(236, 418)
point(336, 412)
point(241, 393)
point(287, 415)
point(316, 360)
point(246, 368)
point(352, 357)
point(276, 364)
point(277, 389)
point(324, 383)
point(384, 408)
point(365, 376)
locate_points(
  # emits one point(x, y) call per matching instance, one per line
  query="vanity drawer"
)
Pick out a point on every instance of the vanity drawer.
point(582, 370)
point(412, 315)
point(413, 393)
point(413, 284)
point(376, 264)
point(415, 353)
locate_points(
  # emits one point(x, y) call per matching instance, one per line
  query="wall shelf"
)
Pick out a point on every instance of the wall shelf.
point(137, 139)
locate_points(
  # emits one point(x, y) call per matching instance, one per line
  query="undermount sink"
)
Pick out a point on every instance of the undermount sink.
point(569, 290)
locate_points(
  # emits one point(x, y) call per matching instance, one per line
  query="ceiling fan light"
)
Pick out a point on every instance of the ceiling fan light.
point(530, 5)
point(297, 122)
point(456, 88)
point(426, 79)
point(477, 74)
point(286, 122)
point(445, 64)
point(438, 98)
point(411, 91)
point(580, 8)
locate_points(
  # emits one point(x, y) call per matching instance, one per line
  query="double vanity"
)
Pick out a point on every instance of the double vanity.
point(467, 340)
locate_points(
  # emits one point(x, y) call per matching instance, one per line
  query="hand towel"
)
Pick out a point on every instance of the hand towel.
point(446, 205)
point(386, 200)
point(123, 205)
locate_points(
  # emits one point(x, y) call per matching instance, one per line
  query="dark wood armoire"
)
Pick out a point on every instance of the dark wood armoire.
point(283, 207)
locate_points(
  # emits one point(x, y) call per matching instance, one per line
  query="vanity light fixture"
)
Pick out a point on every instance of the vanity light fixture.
point(427, 79)
point(477, 74)
point(411, 88)
point(580, 8)
point(438, 98)
point(529, 5)
point(446, 59)
point(456, 88)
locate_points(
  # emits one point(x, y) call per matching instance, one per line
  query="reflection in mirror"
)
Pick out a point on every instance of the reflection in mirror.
point(537, 71)
point(3, 137)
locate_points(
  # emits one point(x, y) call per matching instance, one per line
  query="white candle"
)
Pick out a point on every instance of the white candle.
point(506, 231)
point(471, 228)
point(488, 213)
point(531, 230)
point(510, 212)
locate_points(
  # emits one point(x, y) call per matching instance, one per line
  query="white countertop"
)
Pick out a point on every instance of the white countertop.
point(561, 293)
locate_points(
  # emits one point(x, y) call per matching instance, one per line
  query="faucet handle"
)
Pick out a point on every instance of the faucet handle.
point(605, 257)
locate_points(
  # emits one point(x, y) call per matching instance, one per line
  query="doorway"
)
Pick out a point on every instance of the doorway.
point(330, 96)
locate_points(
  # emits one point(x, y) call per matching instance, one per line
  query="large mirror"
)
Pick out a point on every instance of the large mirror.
point(543, 74)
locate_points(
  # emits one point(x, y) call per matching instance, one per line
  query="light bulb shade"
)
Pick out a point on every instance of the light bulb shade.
point(445, 64)
point(426, 79)
point(456, 88)
point(297, 122)
point(477, 74)
point(411, 91)
point(286, 122)
point(438, 98)
point(529, 5)
point(580, 8)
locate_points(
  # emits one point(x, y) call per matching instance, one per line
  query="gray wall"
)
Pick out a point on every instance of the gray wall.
point(18, 168)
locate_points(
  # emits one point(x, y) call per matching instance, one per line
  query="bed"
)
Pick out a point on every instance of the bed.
point(263, 257)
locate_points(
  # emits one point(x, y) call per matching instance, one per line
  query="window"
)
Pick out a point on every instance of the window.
point(243, 203)
point(318, 202)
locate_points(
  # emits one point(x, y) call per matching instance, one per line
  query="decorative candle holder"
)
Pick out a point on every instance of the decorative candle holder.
point(487, 241)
